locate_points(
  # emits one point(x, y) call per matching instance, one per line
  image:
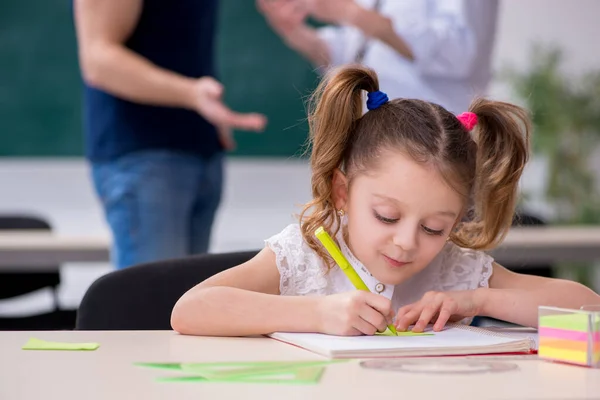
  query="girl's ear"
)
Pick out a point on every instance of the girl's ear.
point(340, 190)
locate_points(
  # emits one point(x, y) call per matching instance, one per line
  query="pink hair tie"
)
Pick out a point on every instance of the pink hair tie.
point(468, 120)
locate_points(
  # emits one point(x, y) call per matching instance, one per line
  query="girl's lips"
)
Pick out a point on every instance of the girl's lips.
point(393, 262)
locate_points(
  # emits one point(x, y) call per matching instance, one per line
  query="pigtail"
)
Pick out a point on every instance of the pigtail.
point(502, 136)
point(337, 105)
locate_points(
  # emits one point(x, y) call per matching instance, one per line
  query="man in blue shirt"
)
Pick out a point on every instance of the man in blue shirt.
point(155, 125)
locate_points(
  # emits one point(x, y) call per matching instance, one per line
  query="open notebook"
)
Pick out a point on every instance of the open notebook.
point(455, 339)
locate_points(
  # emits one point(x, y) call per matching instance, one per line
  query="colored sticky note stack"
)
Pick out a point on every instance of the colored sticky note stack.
point(570, 337)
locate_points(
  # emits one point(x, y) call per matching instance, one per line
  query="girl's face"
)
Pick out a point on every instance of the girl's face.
point(399, 216)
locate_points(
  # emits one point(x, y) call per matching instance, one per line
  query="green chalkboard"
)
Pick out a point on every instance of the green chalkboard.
point(40, 87)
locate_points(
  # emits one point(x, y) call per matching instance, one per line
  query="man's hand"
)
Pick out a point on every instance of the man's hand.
point(284, 16)
point(332, 11)
point(208, 102)
point(226, 137)
point(287, 18)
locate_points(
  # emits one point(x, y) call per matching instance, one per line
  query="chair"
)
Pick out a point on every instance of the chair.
point(14, 284)
point(524, 219)
point(142, 297)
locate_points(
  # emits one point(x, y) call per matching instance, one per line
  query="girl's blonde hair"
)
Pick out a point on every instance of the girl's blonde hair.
point(484, 166)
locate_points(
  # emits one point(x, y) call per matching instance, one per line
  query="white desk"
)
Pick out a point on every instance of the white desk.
point(42, 251)
point(539, 245)
point(109, 373)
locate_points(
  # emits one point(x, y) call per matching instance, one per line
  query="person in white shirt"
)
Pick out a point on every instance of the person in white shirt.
point(434, 50)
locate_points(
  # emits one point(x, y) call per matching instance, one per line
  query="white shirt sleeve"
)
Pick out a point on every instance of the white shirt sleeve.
point(301, 270)
point(465, 269)
point(438, 33)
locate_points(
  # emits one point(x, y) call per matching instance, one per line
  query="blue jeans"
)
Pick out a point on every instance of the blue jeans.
point(159, 204)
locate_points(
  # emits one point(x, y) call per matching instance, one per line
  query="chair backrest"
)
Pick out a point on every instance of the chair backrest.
point(23, 222)
point(17, 283)
point(142, 297)
point(522, 219)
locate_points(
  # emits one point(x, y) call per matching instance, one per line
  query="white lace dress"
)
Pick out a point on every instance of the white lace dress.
point(304, 273)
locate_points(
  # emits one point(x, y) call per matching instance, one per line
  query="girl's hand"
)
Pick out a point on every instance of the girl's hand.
point(354, 313)
point(439, 307)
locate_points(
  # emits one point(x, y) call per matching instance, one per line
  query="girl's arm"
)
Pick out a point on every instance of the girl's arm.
point(515, 297)
point(243, 301)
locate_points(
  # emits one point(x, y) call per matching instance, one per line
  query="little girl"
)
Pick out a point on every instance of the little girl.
point(413, 196)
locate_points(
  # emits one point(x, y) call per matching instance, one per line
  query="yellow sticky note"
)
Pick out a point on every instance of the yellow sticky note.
point(38, 344)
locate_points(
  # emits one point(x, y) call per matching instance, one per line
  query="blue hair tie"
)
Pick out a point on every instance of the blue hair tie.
point(376, 99)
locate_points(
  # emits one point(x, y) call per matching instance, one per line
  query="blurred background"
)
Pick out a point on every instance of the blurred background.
point(544, 59)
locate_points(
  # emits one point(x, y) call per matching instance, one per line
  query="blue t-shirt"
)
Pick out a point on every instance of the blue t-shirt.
point(177, 35)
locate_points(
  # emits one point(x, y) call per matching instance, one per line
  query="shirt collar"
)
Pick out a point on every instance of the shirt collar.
point(373, 284)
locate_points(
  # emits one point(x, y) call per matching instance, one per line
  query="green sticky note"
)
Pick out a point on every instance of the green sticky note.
point(236, 369)
point(38, 344)
point(281, 372)
point(168, 366)
point(303, 375)
point(576, 321)
point(240, 370)
point(407, 333)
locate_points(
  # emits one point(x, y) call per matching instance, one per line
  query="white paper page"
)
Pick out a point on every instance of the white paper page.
point(448, 338)
point(518, 333)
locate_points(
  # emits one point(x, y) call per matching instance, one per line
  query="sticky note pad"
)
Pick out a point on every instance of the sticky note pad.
point(38, 344)
point(570, 336)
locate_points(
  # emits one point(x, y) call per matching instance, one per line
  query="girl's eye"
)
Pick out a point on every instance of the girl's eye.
point(432, 231)
point(427, 230)
point(385, 220)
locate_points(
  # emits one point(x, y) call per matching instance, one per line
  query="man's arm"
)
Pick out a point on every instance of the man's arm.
point(306, 41)
point(102, 28)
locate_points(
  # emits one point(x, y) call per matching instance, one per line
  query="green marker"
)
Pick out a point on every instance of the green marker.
point(344, 264)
